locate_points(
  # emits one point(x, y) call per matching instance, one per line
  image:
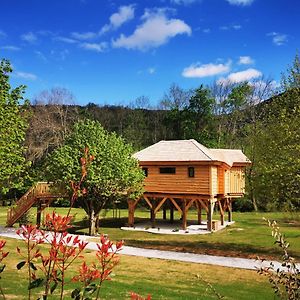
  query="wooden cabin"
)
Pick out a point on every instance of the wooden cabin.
point(182, 173)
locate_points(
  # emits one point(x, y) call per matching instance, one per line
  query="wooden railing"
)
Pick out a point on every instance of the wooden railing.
point(42, 190)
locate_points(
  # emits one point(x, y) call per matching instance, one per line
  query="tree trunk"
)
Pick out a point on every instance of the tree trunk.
point(92, 229)
point(97, 223)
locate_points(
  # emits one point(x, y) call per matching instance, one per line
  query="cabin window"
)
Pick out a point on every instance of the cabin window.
point(167, 170)
point(191, 171)
point(145, 170)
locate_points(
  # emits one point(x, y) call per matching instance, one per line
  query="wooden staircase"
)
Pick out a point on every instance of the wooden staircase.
point(42, 191)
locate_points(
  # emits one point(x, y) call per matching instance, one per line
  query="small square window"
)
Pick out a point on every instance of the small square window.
point(167, 170)
point(145, 170)
point(191, 171)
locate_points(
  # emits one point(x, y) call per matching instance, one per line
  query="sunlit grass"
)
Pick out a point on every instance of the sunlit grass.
point(248, 237)
point(163, 279)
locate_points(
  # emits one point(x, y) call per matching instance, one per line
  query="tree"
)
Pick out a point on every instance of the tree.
point(175, 101)
point(13, 125)
point(112, 175)
point(275, 172)
point(53, 115)
point(199, 117)
point(291, 79)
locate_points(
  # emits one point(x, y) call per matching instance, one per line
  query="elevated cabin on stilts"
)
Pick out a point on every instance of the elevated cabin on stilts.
point(183, 173)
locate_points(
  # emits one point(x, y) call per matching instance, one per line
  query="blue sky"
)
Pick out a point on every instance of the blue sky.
point(111, 52)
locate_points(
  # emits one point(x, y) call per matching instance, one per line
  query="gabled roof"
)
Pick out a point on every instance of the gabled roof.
point(189, 150)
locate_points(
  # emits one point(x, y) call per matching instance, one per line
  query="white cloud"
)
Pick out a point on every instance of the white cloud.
point(29, 37)
point(228, 27)
point(65, 40)
point(151, 70)
point(155, 31)
point(2, 34)
point(10, 48)
point(278, 38)
point(206, 70)
point(24, 75)
point(241, 76)
point(97, 47)
point(60, 55)
point(236, 27)
point(240, 2)
point(41, 56)
point(125, 14)
point(184, 2)
point(83, 35)
point(246, 60)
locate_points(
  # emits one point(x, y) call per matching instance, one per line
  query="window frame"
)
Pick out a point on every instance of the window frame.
point(191, 172)
point(172, 170)
point(146, 171)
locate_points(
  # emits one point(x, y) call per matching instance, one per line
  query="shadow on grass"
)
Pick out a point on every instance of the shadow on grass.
point(103, 223)
point(222, 249)
point(200, 247)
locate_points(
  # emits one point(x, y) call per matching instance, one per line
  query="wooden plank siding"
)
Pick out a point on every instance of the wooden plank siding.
point(178, 182)
point(237, 180)
point(226, 181)
point(214, 180)
point(221, 180)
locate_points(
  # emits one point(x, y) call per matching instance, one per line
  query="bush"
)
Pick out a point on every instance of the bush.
point(242, 205)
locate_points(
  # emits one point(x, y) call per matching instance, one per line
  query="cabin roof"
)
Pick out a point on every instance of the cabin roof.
point(189, 150)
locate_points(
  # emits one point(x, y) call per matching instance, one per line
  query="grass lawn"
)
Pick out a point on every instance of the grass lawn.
point(162, 279)
point(248, 237)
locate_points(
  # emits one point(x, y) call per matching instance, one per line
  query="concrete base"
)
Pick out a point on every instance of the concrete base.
point(163, 227)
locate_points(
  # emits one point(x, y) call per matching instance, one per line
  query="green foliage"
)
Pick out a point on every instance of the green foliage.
point(291, 79)
point(276, 167)
point(237, 99)
point(286, 279)
point(191, 115)
point(13, 125)
point(112, 175)
point(199, 119)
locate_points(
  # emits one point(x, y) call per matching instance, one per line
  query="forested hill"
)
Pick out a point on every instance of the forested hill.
point(267, 131)
point(50, 124)
point(252, 116)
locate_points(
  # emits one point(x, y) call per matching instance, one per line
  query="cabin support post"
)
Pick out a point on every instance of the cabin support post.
point(221, 208)
point(164, 212)
point(38, 213)
point(222, 218)
point(199, 212)
point(184, 213)
point(152, 214)
point(131, 212)
point(229, 210)
point(171, 212)
point(210, 214)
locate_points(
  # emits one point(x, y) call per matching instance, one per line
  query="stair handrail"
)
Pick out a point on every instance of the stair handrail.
point(24, 203)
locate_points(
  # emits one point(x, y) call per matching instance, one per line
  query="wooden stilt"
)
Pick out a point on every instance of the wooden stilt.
point(209, 215)
point(221, 212)
point(199, 211)
point(38, 214)
point(184, 213)
point(222, 218)
point(171, 212)
point(229, 210)
point(153, 213)
point(130, 212)
point(164, 212)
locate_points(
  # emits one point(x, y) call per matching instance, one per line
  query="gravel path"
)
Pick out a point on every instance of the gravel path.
point(231, 262)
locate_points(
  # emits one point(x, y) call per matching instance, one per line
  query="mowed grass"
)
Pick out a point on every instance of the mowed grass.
point(163, 279)
point(248, 237)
